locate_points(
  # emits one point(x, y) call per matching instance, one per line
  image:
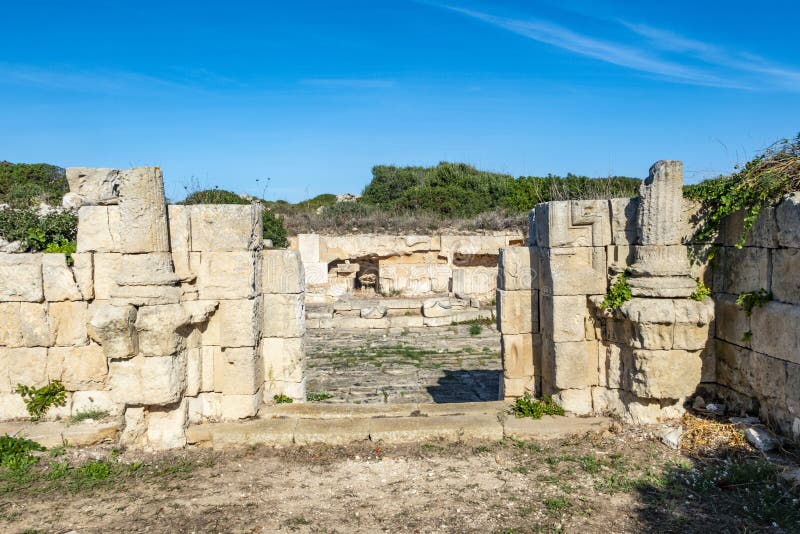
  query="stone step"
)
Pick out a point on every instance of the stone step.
point(57, 433)
point(304, 424)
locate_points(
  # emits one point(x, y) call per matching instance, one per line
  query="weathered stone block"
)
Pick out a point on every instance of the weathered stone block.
point(159, 328)
point(22, 365)
point(98, 229)
point(237, 371)
point(562, 317)
point(764, 232)
point(206, 406)
point(207, 357)
point(236, 323)
point(308, 246)
point(23, 324)
point(156, 380)
point(94, 401)
point(732, 322)
point(281, 272)
point(142, 211)
point(569, 365)
point(619, 258)
point(741, 270)
point(515, 311)
point(180, 228)
point(787, 215)
point(113, 328)
point(574, 271)
point(660, 212)
point(613, 364)
point(518, 357)
point(652, 336)
point(83, 270)
point(283, 359)
point(21, 278)
point(775, 331)
point(12, 406)
point(96, 186)
point(226, 227)
point(315, 273)
point(284, 316)
point(623, 220)
point(786, 275)
point(106, 267)
point(227, 275)
point(239, 406)
point(443, 306)
point(58, 280)
point(479, 282)
point(67, 322)
point(512, 388)
point(572, 223)
point(576, 401)
point(518, 268)
point(691, 337)
point(665, 374)
point(78, 368)
point(166, 427)
point(194, 371)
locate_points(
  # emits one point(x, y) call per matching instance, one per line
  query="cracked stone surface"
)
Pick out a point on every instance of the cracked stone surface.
point(435, 364)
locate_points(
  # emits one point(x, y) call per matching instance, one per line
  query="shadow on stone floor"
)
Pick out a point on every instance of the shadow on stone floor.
point(461, 385)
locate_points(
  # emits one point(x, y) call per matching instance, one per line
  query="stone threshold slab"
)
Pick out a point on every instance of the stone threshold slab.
point(311, 410)
point(57, 433)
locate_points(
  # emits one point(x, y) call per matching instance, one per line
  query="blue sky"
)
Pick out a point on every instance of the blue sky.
point(312, 94)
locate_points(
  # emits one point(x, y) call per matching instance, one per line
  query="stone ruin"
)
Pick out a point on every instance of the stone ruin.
point(644, 359)
point(165, 315)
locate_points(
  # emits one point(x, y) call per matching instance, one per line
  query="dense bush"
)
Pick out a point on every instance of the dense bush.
point(215, 196)
point(525, 192)
point(27, 184)
point(39, 233)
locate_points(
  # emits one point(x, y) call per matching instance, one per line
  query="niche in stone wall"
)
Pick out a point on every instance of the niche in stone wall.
point(475, 260)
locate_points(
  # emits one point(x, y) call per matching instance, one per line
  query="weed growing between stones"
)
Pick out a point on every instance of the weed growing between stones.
point(753, 299)
point(38, 401)
point(702, 292)
point(282, 399)
point(618, 295)
point(475, 330)
point(88, 415)
point(318, 397)
point(527, 406)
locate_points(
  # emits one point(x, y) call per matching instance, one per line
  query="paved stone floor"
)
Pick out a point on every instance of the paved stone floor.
point(437, 364)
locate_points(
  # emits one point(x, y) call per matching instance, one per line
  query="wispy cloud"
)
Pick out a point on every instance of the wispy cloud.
point(349, 83)
point(657, 52)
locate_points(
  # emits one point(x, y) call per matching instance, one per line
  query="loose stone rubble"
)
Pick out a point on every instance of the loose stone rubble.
point(169, 315)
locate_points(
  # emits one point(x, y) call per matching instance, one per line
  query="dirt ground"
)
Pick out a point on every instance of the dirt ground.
point(623, 481)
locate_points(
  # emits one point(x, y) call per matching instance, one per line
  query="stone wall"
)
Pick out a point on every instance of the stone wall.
point(646, 358)
point(401, 266)
point(167, 314)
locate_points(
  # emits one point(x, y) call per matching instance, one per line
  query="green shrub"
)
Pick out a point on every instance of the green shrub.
point(38, 233)
point(753, 299)
point(275, 229)
point(475, 329)
point(702, 292)
point(23, 185)
point(527, 406)
point(619, 293)
point(282, 399)
point(38, 401)
point(214, 196)
point(15, 452)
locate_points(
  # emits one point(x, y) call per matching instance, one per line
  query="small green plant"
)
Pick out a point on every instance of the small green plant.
point(318, 397)
point(282, 399)
point(702, 292)
point(86, 415)
point(753, 299)
point(747, 337)
point(38, 401)
point(554, 504)
point(527, 406)
point(15, 452)
point(619, 293)
point(68, 248)
point(475, 330)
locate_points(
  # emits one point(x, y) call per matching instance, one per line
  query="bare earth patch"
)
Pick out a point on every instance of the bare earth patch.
point(623, 481)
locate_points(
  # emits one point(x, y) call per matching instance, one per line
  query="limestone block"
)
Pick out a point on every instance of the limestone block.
point(308, 247)
point(443, 306)
point(572, 223)
point(295, 390)
point(284, 316)
point(574, 271)
point(113, 328)
point(78, 368)
point(283, 359)
point(315, 274)
point(205, 407)
point(67, 322)
point(660, 260)
point(98, 229)
point(226, 227)
point(517, 387)
point(22, 365)
point(665, 374)
point(227, 275)
point(236, 323)
point(518, 357)
point(571, 364)
point(786, 275)
point(614, 361)
point(764, 232)
point(151, 269)
point(376, 311)
point(741, 270)
point(518, 268)
point(660, 212)
point(732, 322)
point(694, 312)
point(207, 358)
point(451, 245)
point(623, 220)
point(21, 278)
point(479, 282)
point(12, 407)
point(775, 331)
point(282, 271)
point(23, 324)
point(515, 311)
point(239, 406)
point(83, 271)
point(237, 371)
point(58, 281)
point(95, 186)
point(142, 211)
point(95, 400)
point(159, 328)
point(787, 215)
point(134, 432)
point(166, 426)
point(180, 228)
point(106, 267)
point(619, 258)
point(194, 371)
point(750, 373)
point(576, 401)
point(562, 317)
point(156, 380)
point(652, 336)
point(709, 357)
point(691, 337)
